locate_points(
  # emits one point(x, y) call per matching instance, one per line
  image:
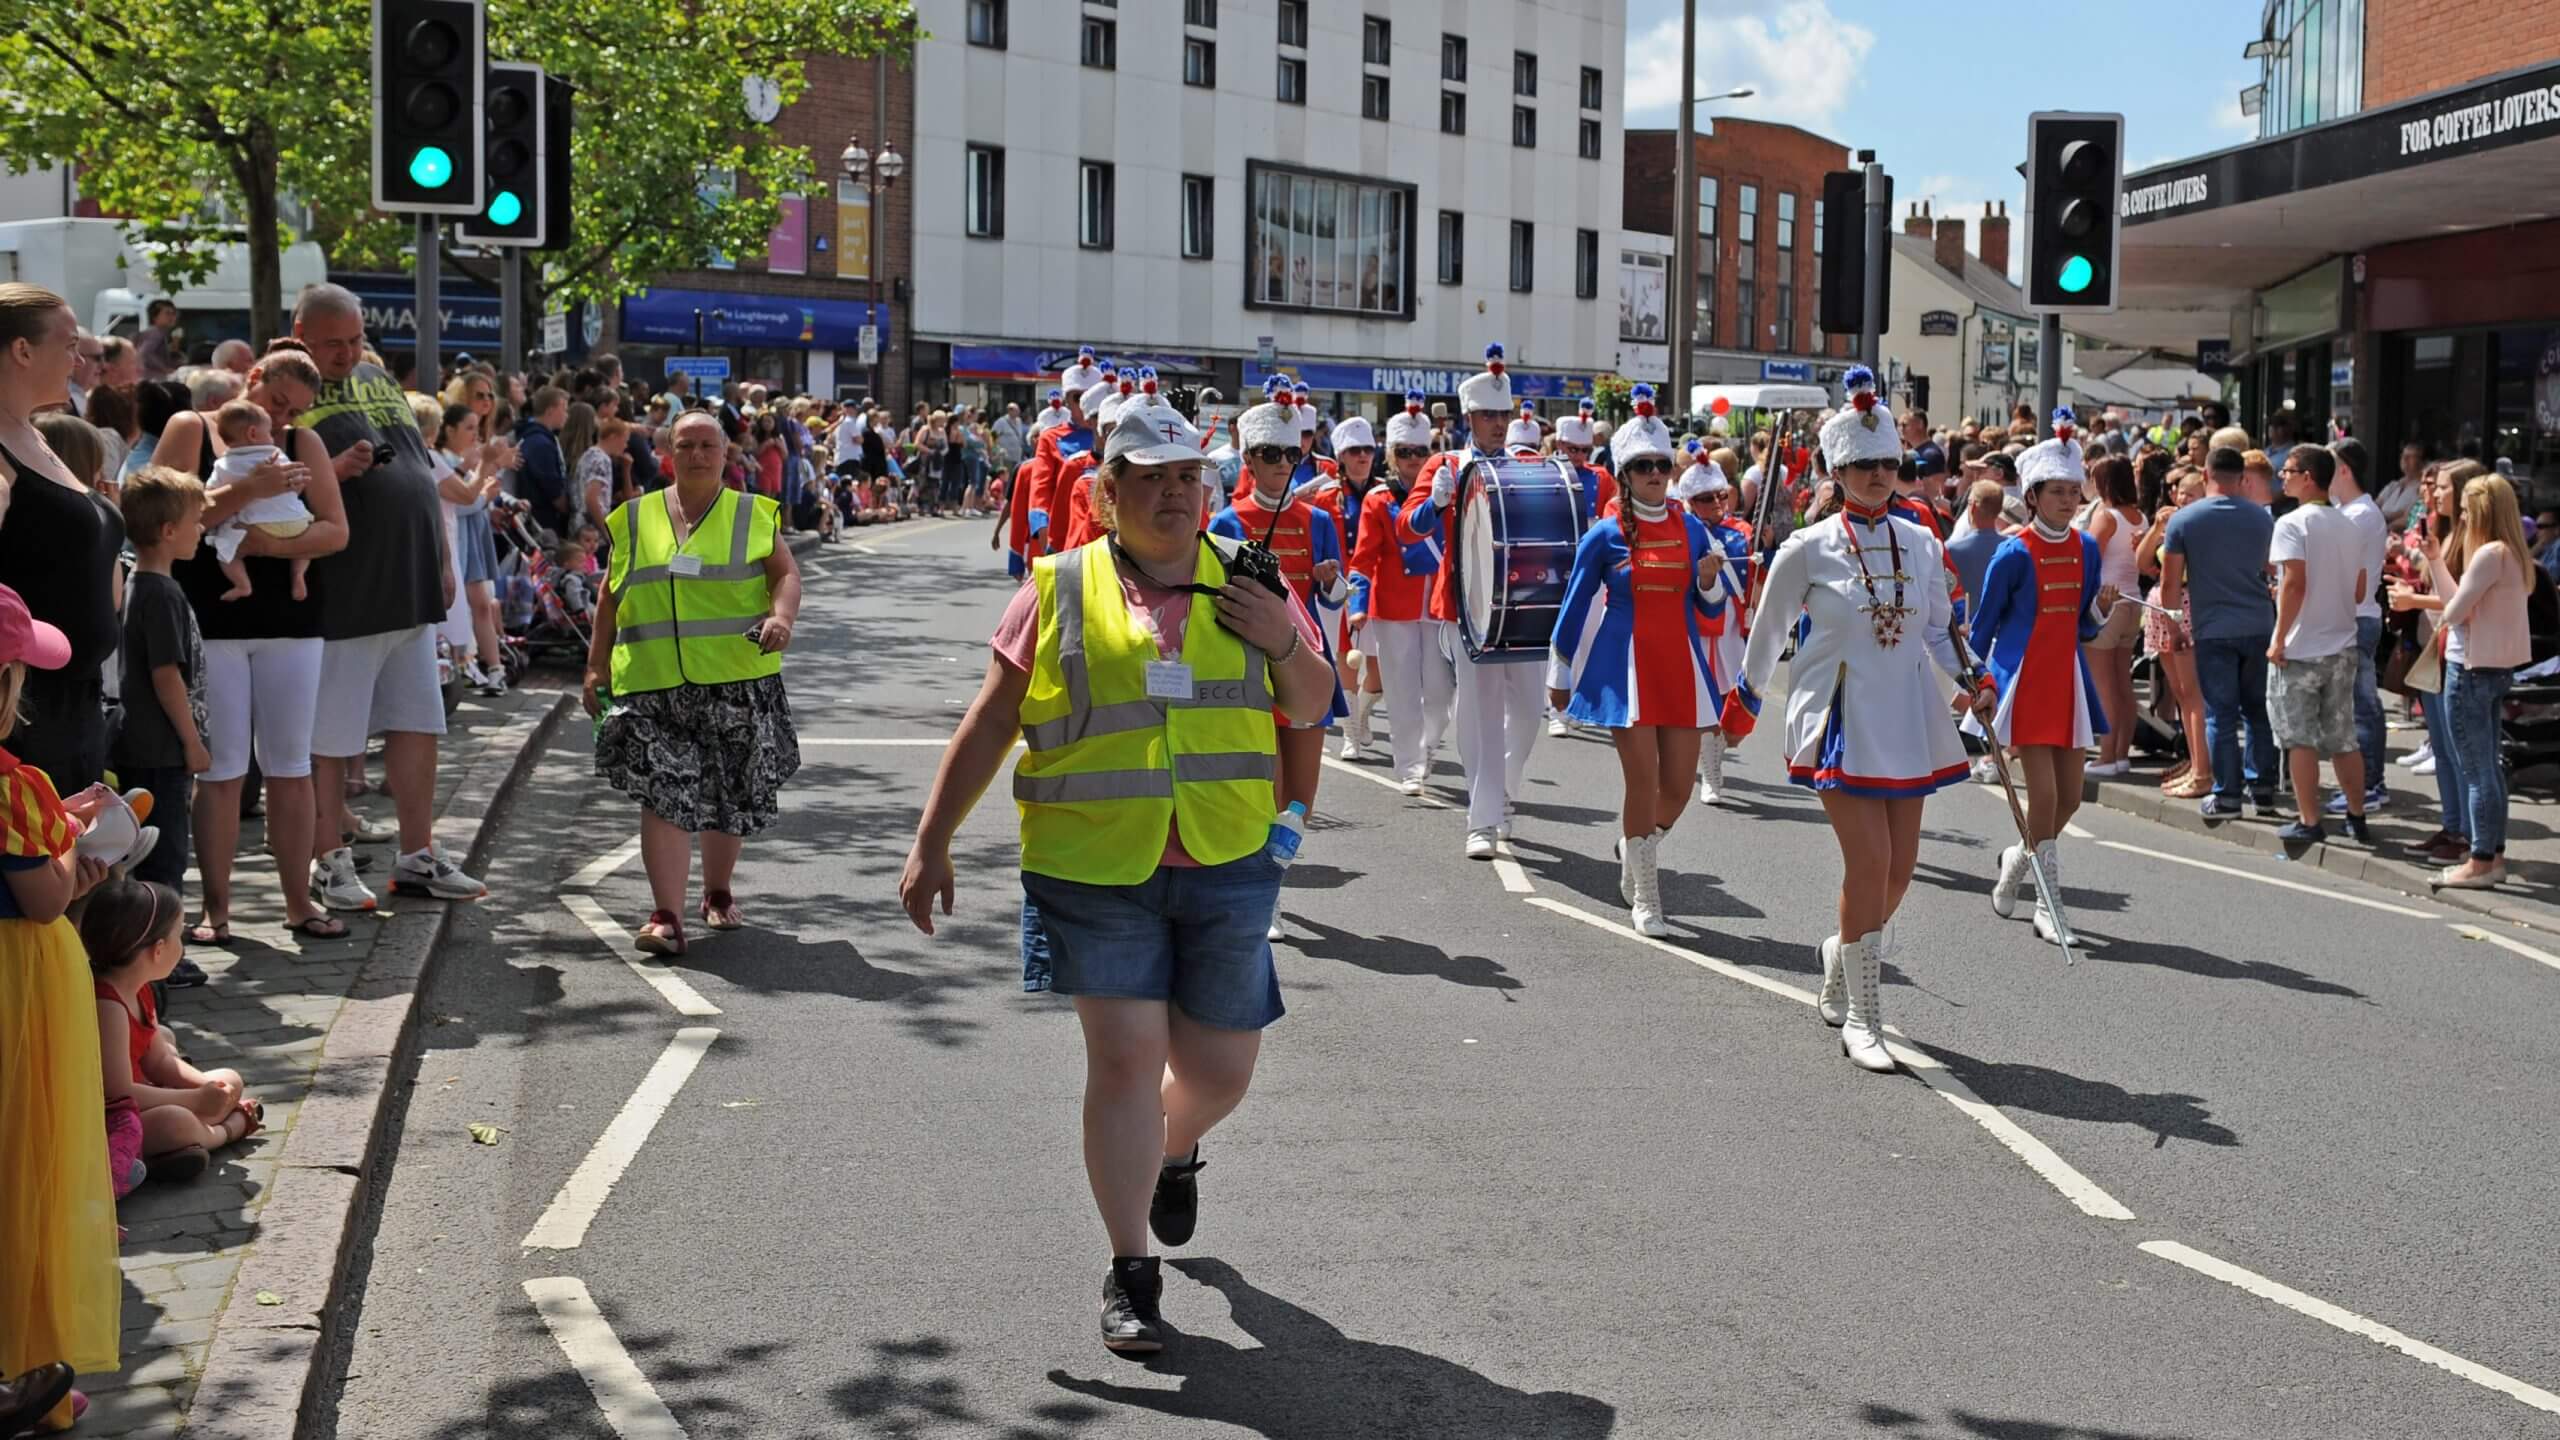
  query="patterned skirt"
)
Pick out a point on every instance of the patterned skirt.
point(703, 757)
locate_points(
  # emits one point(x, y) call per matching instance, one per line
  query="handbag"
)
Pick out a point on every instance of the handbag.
point(2425, 675)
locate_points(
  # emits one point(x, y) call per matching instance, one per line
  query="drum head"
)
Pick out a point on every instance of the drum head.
point(1481, 578)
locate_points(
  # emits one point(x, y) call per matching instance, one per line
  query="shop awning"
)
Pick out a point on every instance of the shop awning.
point(2203, 236)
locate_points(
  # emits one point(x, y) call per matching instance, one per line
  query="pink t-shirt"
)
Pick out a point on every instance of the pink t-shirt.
point(1017, 642)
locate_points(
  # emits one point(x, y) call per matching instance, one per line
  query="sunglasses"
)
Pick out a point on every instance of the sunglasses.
point(1275, 454)
point(1890, 467)
point(1648, 466)
point(1411, 452)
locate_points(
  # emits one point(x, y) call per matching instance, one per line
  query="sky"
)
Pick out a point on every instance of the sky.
point(1941, 89)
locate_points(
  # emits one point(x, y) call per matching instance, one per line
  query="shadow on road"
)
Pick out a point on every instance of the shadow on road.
point(2209, 966)
point(1395, 955)
point(1991, 1427)
point(1308, 1381)
point(2165, 1115)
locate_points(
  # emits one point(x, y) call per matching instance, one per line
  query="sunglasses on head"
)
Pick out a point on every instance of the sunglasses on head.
point(1274, 454)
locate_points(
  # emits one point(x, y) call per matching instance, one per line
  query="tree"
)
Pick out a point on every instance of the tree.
point(195, 119)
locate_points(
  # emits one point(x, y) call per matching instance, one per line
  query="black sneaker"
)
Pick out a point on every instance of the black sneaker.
point(2267, 803)
point(2360, 830)
point(1131, 1323)
point(187, 976)
point(1175, 1212)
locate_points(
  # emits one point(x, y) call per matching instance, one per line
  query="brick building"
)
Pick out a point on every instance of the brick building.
point(1758, 211)
point(2385, 258)
point(792, 314)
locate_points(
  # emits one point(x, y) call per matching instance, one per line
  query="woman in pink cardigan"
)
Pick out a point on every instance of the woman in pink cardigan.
point(2481, 575)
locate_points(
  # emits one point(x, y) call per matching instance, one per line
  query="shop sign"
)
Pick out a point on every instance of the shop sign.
point(2342, 375)
point(2546, 389)
point(1940, 322)
point(2213, 357)
point(1395, 380)
point(1799, 371)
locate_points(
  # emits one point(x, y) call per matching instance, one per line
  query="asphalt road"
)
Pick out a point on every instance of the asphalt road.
point(1507, 1170)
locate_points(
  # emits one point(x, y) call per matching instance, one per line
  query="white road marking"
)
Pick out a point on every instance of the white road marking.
point(670, 986)
point(1380, 778)
point(872, 547)
point(605, 864)
point(2076, 833)
point(937, 742)
point(631, 1403)
point(563, 1226)
point(2077, 1188)
point(2474, 932)
point(1514, 879)
point(2354, 1324)
point(2295, 885)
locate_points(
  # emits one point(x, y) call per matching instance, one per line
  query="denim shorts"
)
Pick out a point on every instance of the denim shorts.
point(1191, 936)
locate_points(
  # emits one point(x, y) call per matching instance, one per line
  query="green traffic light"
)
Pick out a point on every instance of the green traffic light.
point(431, 167)
point(2077, 275)
point(505, 208)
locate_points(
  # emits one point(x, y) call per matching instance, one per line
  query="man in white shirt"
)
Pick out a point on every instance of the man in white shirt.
point(1011, 437)
point(848, 441)
point(2346, 491)
point(2311, 663)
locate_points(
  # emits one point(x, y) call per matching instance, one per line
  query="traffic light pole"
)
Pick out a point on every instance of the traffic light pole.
point(1879, 220)
point(430, 308)
point(2048, 367)
point(511, 307)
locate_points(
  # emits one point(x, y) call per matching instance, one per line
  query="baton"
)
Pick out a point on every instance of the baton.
point(2045, 891)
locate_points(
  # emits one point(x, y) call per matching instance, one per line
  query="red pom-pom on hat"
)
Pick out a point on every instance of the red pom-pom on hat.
point(1493, 358)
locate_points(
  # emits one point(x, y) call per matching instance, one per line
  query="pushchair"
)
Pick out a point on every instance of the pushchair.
point(545, 614)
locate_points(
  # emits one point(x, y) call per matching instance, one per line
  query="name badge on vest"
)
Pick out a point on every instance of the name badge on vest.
point(1168, 680)
point(687, 565)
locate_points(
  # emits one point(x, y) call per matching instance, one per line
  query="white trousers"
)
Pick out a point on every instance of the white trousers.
point(1500, 711)
point(1419, 684)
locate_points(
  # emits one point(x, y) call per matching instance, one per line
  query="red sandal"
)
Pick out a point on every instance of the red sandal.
point(720, 910)
point(662, 935)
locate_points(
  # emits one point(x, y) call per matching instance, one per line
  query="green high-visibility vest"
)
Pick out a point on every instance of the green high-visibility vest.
point(1109, 768)
point(686, 624)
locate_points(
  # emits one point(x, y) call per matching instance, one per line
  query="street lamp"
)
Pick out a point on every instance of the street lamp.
point(1684, 234)
point(860, 165)
point(1738, 92)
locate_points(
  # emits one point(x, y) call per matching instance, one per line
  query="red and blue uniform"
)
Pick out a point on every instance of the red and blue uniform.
point(1645, 658)
point(1037, 490)
point(2034, 617)
point(1300, 536)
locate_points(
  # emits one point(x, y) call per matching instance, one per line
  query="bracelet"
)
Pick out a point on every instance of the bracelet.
point(1297, 642)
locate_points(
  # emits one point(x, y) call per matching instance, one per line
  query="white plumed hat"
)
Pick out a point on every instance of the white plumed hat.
point(2059, 458)
point(1082, 375)
point(1490, 390)
point(1864, 429)
point(1643, 436)
point(1408, 426)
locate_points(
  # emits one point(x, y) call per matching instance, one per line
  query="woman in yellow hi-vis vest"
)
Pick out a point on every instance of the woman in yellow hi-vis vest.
point(698, 607)
point(1143, 678)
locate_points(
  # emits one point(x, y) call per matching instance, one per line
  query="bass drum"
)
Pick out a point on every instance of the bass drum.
point(1519, 522)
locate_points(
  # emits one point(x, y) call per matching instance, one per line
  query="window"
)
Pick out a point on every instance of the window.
point(1101, 43)
point(1586, 264)
point(1198, 216)
point(1818, 209)
point(1376, 40)
point(1453, 112)
point(1524, 73)
point(1324, 242)
point(1199, 62)
point(1786, 338)
point(1590, 87)
point(986, 191)
point(1786, 220)
point(1707, 193)
point(1586, 142)
point(1453, 248)
point(1524, 126)
point(1747, 227)
point(1705, 319)
point(1746, 299)
point(1524, 268)
point(1373, 97)
point(986, 23)
point(1453, 59)
point(1094, 205)
point(1293, 23)
point(1293, 80)
point(1203, 13)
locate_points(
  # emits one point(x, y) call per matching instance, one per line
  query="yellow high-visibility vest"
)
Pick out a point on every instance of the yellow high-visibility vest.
point(676, 627)
point(1109, 769)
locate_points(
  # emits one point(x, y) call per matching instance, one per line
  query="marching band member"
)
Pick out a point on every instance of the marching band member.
point(1866, 722)
point(1639, 668)
point(1309, 549)
point(1525, 438)
point(1035, 483)
point(1355, 460)
point(1498, 701)
point(1575, 436)
point(1391, 604)
point(2041, 602)
point(1708, 495)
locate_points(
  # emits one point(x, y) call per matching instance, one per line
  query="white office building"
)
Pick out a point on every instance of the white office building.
point(1359, 193)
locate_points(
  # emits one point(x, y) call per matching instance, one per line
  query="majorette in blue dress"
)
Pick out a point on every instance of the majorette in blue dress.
point(1633, 641)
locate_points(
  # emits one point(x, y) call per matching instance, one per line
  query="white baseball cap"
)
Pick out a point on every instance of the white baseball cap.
point(1152, 432)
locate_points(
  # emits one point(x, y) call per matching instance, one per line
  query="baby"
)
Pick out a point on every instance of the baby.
point(248, 444)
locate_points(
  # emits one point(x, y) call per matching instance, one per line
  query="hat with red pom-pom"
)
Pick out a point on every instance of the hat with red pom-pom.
point(1525, 432)
point(2057, 459)
point(1645, 435)
point(1408, 426)
point(1864, 428)
point(1081, 376)
point(1490, 390)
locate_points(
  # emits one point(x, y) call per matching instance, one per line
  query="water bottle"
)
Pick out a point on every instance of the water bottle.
point(1288, 831)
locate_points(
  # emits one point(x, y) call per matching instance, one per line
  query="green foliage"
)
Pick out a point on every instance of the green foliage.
point(1613, 395)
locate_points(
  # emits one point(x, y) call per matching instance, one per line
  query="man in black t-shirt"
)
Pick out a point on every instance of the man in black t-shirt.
point(382, 598)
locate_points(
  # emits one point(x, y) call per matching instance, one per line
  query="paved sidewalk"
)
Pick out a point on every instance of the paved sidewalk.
point(227, 1279)
point(2531, 898)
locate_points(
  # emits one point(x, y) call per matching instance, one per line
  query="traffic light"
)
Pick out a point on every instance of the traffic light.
point(515, 212)
point(430, 67)
point(555, 163)
point(2075, 181)
point(1844, 257)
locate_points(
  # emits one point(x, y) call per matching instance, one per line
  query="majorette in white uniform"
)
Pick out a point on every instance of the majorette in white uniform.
point(1704, 479)
point(1865, 714)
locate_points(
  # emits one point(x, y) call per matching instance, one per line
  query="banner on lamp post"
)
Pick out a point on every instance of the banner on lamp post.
point(853, 231)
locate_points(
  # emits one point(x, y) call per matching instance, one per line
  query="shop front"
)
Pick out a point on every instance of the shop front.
point(1376, 391)
point(994, 376)
point(805, 345)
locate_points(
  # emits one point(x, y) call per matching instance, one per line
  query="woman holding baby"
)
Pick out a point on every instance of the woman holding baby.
point(262, 648)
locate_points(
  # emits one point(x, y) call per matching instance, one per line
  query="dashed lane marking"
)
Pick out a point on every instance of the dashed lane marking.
point(2354, 1324)
point(670, 986)
point(563, 1225)
point(2076, 833)
point(2295, 885)
point(1514, 879)
point(603, 865)
point(1388, 783)
point(631, 1403)
point(2540, 957)
point(872, 547)
point(2077, 1188)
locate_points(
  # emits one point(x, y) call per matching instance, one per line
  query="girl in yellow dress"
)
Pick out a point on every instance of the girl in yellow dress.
point(60, 1295)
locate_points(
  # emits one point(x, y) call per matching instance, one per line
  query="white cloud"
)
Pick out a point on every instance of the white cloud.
point(1796, 53)
point(2228, 119)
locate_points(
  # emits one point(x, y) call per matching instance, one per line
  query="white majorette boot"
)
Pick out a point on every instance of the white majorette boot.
point(2013, 878)
point(1833, 1004)
point(1646, 881)
point(2049, 852)
point(1711, 769)
point(1625, 852)
point(1862, 1038)
point(1356, 734)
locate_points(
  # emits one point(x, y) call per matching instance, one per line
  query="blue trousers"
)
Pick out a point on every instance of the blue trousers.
point(2233, 676)
point(2476, 803)
point(2369, 723)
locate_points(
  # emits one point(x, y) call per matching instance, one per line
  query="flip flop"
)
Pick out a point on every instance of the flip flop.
point(257, 1113)
point(319, 927)
point(217, 936)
